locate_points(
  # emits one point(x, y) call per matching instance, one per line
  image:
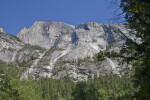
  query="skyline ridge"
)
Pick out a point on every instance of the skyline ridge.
point(17, 14)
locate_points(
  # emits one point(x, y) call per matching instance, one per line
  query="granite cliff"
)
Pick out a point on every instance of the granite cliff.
point(56, 49)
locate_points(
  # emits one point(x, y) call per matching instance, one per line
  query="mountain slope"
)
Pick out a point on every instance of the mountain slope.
point(69, 50)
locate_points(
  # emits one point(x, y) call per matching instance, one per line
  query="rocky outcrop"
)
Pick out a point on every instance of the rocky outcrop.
point(9, 45)
point(56, 49)
point(80, 42)
point(1, 30)
point(46, 33)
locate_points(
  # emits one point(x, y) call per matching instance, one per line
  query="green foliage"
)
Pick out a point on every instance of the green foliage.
point(23, 64)
point(87, 60)
point(36, 47)
point(1, 33)
point(137, 15)
point(50, 51)
point(100, 57)
point(33, 47)
point(33, 58)
point(103, 94)
point(11, 88)
point(80, 92)
point(14, 38)
point(144, 92)
point(109, 87)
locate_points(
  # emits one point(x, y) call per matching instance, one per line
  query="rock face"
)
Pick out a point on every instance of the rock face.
point(1, 30)
point(46, 33)
point(55, 49)
point(79, 42)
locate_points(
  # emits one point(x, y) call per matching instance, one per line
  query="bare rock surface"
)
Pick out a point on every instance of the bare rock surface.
point(56, 49)
point(2, 30)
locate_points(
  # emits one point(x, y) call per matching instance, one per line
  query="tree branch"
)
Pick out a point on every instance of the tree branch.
point(147, 53)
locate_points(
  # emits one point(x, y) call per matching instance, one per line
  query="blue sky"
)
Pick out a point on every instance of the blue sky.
point(16, 14)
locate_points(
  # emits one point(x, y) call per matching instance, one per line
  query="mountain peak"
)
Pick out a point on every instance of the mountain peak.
point(89, 25)
point(49, 34)
point(51, 23)
point(45, 33)
point(2, 30)
point(69, 50)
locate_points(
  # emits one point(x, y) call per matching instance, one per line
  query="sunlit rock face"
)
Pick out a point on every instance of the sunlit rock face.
point(47, 33)
point(1, 30)
point(81, 41)
point(63, 49)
